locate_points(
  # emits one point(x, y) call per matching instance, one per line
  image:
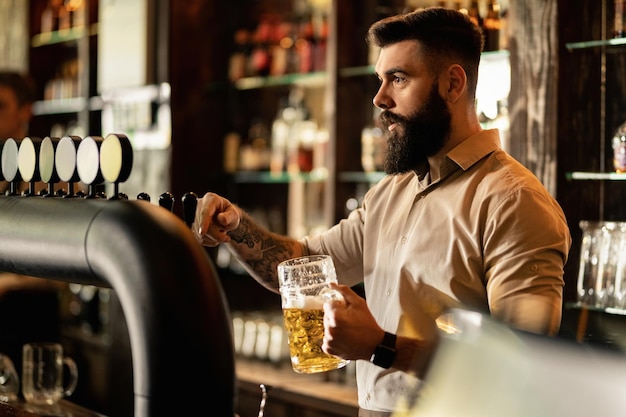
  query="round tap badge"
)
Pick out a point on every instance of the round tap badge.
point(47, 170)
point(116, 158)
point(10, 154)
point(65, 158)
point(88, 160)
point(27, 157)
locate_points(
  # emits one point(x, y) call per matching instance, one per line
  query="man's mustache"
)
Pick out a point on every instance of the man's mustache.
point(387, 118)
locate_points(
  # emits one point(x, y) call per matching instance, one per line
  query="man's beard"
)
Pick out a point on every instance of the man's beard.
point(417, 136)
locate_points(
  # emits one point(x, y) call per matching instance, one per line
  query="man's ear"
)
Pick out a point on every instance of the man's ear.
point(457, 83)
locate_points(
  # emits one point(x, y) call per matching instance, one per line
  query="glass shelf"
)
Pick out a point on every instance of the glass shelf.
point(614, 43)
point(596, 176)
point(313, 79)
point(266, 177)
point(361, 177)
point(318, 79)
point(61, 36)
point(66, 105)
point(609, 310)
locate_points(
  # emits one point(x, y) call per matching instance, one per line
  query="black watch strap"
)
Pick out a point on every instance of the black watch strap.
point(385, 352)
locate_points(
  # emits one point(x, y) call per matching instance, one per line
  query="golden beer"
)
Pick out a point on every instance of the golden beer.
point(305, 328)
point(304, 287)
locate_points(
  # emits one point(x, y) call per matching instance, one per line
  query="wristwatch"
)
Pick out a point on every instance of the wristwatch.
point(385, 352)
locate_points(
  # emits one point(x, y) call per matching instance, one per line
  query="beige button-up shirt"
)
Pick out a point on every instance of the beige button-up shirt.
point(477, 230)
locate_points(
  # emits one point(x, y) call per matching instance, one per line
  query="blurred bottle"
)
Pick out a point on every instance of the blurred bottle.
point(619, 31)
point(474, 14)
point(76, 9)
point(492, 26)
point(260, 57)
point(238, 63)
point(231, 152)
point(372, 145)
point(254, 154)
point(296, 116)
point(280, 48)
point(320, 39)
point(304, 43)
point(619, 149)
point(280, 136)
point(50, 16)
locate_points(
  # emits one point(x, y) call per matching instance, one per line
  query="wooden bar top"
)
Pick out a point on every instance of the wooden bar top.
point(317, 392)
point(63, 408)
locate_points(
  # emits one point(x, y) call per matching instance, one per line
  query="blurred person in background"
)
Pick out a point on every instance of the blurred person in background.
point(17, 94)
point(30, 306)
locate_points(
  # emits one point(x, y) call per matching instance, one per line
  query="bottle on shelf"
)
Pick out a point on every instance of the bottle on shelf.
point(50, 16)
point(261, 59)
point(619, 31)
point(279, 138)
point(76, 9)
point(254, 153)
point(619, 149)
point(320, 39)
point(231, 152)
point(372, 145)
point(238, 63)
point(492, 26)
point(474, 14)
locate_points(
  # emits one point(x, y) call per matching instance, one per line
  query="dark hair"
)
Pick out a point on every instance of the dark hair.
point(22, 85)
point(444, 35)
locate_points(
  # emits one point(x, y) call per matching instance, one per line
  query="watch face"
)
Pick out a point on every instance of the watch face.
point(385, 353)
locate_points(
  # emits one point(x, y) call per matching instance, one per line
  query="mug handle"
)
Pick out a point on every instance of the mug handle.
point(9, 379)
point(329, 294)
point(73, 379)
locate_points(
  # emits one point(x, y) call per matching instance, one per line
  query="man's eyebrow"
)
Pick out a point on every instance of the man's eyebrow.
point(392, 71)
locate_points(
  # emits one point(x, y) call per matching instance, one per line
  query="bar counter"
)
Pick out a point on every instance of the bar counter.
point(63, 408)
point(290, 394)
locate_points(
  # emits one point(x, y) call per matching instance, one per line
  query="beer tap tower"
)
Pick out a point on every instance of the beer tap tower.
point(178, 320)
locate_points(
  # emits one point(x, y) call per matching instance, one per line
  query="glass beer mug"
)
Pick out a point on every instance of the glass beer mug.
point(304, 287)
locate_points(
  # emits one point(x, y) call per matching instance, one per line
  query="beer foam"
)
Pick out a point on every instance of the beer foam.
point(305, 302)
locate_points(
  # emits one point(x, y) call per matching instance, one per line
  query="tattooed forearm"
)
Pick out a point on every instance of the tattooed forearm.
point(261, 250)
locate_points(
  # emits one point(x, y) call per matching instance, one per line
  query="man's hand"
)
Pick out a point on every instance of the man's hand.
point(350, 330)
point(215, 217)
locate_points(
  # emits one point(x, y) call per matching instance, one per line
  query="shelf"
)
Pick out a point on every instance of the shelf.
point(62, 36)
point(361, 177)
point(318, 79)
point(66, 105)
point(266, 177)
point(596, 176)
point(608, 310)
point(611, 44)
point(313, 79)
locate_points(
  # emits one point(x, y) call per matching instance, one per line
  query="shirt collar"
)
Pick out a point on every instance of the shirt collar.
point(463, 156)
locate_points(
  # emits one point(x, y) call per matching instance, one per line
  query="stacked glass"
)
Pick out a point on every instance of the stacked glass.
point(602, 270)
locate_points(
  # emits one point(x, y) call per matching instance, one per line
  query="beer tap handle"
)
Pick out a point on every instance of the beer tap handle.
point(166, 200)
point(190, 202)
point(143, 196)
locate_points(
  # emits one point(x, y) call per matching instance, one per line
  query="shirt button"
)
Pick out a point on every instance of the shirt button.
point(368, 397)
point(404, 240)
point(388, 293)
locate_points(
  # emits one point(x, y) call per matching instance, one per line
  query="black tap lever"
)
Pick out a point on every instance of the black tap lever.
point(190, 202)
point(166, 200)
